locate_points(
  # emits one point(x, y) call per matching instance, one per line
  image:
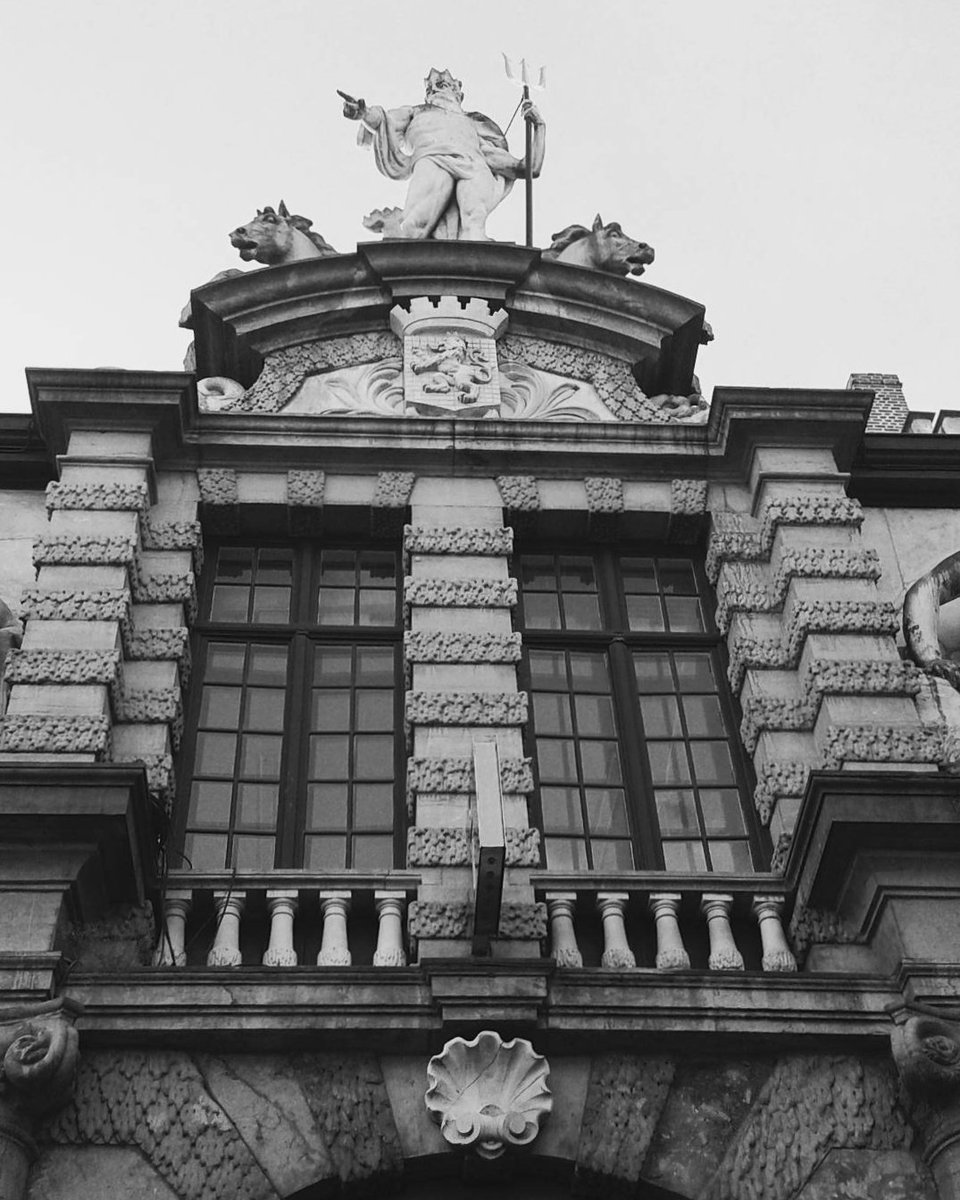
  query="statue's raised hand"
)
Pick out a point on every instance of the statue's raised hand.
point(531, 114)
point(353, 109)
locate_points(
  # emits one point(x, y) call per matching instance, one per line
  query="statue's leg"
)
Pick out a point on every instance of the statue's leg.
point(428, 195)
point(476, 199)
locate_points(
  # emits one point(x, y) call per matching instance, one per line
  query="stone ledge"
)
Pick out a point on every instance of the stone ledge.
point(31, 733)
point(460, 593)
point(106, 497)
point(424, 646)
point(419, 539)
point(466, 708)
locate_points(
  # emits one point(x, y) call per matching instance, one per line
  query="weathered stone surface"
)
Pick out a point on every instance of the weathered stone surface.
point(108, 497)
point(460, 593)
point(122, 940)
point(832, 509)
point(457, 540)
point(96, 1173)
point(262, 1097)
point(624, 1101)
point(166, 587)
point(33, 733)
point(519, 492)
point(870, 1175)
point(604, 495)
point(688, 497)
point(808, 1107)
point(456, 775)
point(82, 549)
point(702, 1113)
point(454, 919)
point(423, 646)
point(466, 708)
point(305, 489)
point(882, 743)
point(158, 643)
point(158, 1103)
point(165, 534)
point(218, 486)
point(787, 777)
point(523, 921)
point(393, 489)
point(63, 666)
point(61, 604)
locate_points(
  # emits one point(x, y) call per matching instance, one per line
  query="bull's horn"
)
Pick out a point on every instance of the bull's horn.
point(597, 223)
point(282, 210)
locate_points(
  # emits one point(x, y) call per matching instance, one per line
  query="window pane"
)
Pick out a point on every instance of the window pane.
point(541, 611)
point(225, 662)
point(722, 812)
point(589, 672)
point(668, 762)
point(373, 806)
point(612, 856)
point(324, 853)
point(547, 669)
point(215, 754)
point(644, 613)
point(375, 666)
point(375, 710)
point(229, 603)
point(253, 853)
point(373, 757)
point(268, 666)
point(327, 806)
point(260, 756)
point(330, 757)
point(638, 575)
point(332, 667)
point(372, 853)
point(557, 760)
point(275, 566)
point(730, 856)
point(577, 575)
point(704, 718)
point(220, 708)
point(551, 713)
point(683, 614)
point(607, 811)
point(337, 567)
point(335, 606)
point(565, 854)
point(271, 605)
point(581, 612)
point(561, 810)
point(205, 851)
point(264, 709)
point(210, 803)
point(257, 805)
point(235, 563)
point(660, 715)
point(695, 672)
point(377, 608)
point(595, 716)
point(601, 762)
point(653, 673)
point(536, 572)
point(331, 709)
point(378, 568)
point(684, 856)
point(676, 812)
point(676, 577)
point(712, 762)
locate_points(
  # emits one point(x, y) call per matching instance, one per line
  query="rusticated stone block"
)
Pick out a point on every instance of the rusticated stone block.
point(431, 846)
point(67, 667)
point(625, 1097)
point(167, 587)
point(82, 550)
point(155, 706)
point(305, 489)
point(61, 604)
point(688, 497)
point(466, 708)
point(882, 743)
point(218, 486)
point(604, 494)
point(456, 775)
point(776, 780)
point(461, 593)
point(519, 492)
point(807, 510)
point(158, 643)
point(457, 540)
point(734, 538)
point(438, 919)
point(106, 497)
point(33, 733)
point(393, 489)
point(523, 922)
point(424, 646)
point(808, 1107)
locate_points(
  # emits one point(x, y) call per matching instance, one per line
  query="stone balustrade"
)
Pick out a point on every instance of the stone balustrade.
point(284, 919)
point(665, 923)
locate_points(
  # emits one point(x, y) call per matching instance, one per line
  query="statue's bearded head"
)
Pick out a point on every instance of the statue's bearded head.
point(441, 85)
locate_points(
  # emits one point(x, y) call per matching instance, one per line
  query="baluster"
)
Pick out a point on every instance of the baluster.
point(389, 951)
point(334, 946)
point(225, 951)
point(563, 937)
point(724, 955)
point(170, 949)
point(671, 952)
point(617, 955)
point(776, 952)
point(282, 907)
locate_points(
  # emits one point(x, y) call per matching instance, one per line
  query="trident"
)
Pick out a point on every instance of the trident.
point(524, 80)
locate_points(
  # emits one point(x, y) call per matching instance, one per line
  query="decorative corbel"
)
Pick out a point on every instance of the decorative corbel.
point(38, 1063)
point(926, 1049)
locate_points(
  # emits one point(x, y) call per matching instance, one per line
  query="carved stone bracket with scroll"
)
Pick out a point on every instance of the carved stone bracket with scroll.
point(926, 1049)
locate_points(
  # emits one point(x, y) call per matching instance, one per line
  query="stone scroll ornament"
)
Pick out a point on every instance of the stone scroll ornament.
point(488, 1094)
point(926, 1049)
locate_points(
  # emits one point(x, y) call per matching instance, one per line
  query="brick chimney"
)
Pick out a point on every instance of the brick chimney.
point(889, 411)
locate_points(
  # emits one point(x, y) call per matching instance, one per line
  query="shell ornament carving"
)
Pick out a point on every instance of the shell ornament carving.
point(488, 1093)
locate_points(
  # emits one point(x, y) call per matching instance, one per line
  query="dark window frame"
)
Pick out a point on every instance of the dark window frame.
point(620, 643)
point(301, 635)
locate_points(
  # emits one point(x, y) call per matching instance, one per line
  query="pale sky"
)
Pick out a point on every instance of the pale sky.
point(795, 165)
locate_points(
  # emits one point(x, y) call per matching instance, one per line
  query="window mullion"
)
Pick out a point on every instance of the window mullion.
point(646, 833)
